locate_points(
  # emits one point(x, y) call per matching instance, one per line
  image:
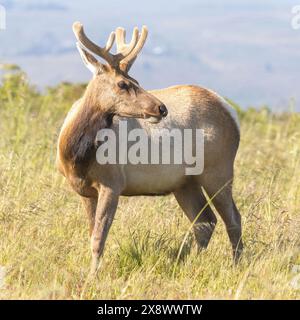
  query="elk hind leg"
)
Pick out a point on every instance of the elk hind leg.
point(194, 204)
point(219, 189)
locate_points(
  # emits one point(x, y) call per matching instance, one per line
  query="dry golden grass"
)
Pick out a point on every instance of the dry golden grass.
point(44, 243)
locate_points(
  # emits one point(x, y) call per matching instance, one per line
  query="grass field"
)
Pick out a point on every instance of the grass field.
point(44, 243)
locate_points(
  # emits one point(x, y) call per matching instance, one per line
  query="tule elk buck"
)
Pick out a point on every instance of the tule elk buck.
point(113, 95)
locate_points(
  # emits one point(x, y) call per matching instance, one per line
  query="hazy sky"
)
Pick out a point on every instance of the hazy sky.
point(246, 50)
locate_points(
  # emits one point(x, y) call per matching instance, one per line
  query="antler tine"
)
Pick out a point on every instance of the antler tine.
point(127, 61)
point(85, 41)
point(110, 41)
point(120, 38)
point(122, 47)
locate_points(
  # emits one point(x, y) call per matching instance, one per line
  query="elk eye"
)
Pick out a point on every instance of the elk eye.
point(123, 85)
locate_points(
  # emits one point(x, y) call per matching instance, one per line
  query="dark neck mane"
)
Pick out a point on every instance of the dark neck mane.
point(80, 147)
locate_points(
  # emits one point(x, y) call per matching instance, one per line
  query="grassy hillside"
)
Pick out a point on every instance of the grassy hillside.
point(44, 243)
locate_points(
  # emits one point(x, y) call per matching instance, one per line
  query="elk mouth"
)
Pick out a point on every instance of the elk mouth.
point(152, 119)
point(148, 117)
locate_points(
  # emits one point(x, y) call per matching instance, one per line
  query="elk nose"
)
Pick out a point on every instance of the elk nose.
point(163, 110)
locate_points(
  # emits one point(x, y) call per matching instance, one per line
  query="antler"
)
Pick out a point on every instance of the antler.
point(126, 53)
point(122, 47)
point(127, 61)
point(86, 42)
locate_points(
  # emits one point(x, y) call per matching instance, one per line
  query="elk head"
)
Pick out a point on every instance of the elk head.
point(112, 90)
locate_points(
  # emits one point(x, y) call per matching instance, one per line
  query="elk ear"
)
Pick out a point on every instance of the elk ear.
point(89, 60)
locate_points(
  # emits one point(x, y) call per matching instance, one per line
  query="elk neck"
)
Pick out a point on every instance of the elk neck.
point(78, 141)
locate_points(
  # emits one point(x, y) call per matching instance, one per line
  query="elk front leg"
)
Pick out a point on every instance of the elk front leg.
point(105, 213)
point(90, 205)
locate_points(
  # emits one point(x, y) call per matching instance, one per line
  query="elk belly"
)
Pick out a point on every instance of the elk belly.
point(152, 179)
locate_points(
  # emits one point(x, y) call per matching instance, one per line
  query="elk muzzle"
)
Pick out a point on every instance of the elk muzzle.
point(155, 116)
point(155, 111)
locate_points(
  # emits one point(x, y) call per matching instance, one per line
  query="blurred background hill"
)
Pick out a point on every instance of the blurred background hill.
point(245, 50)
